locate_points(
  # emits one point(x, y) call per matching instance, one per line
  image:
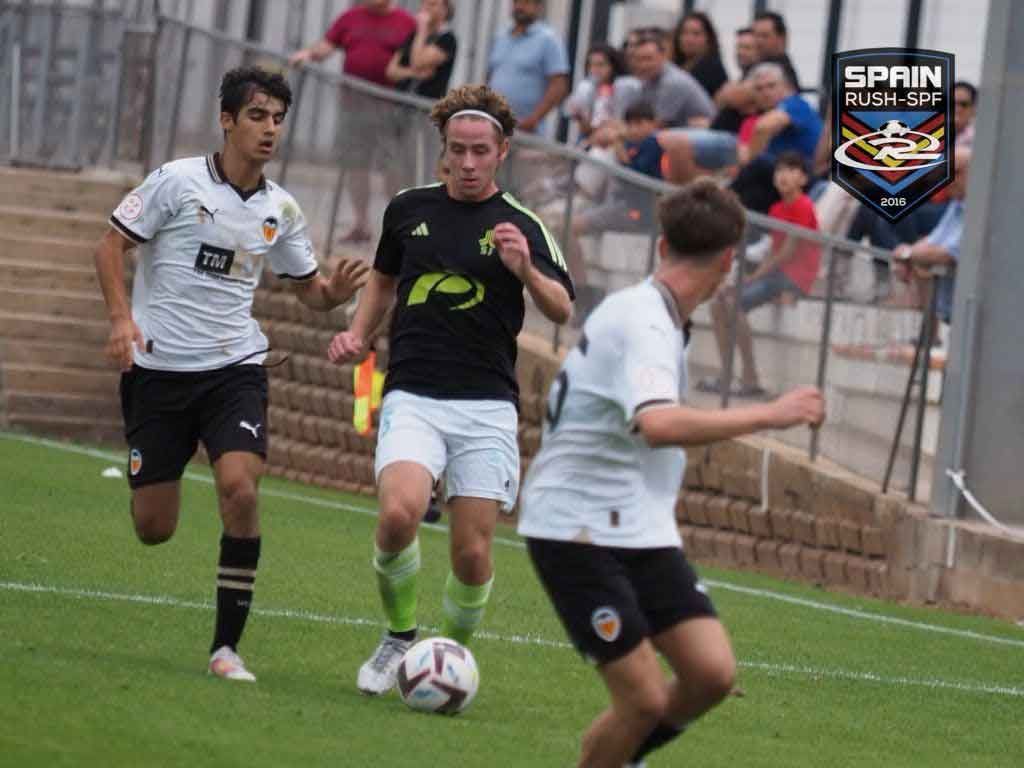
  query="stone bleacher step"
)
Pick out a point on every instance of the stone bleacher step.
point(54, 380)
point(80, 429)
point(32, 326)
point(55, 191)
point(57, 354)
point(43, 276)
point(102, 407)
point(80, 305)
point(33, 222)
point(43, 249)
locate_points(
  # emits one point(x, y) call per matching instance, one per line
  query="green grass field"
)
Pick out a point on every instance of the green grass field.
point(103, 649)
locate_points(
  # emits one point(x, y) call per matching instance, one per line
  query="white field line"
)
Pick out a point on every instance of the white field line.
point(517, 544)
point(771, 668)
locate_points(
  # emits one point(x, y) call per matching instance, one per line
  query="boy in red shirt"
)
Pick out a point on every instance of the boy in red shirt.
point(788, 271)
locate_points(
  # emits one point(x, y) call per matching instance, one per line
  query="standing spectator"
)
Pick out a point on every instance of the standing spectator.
point(424, 64)
point(770, 38)
point(529, 66)
point(788, 271)
point(591, 103)
point(965, 104)
point(369, 34)
point(695, 50)
point(678, 99)
point(787, 122)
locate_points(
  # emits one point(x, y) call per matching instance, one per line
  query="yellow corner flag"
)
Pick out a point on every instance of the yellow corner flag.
point(367, 385)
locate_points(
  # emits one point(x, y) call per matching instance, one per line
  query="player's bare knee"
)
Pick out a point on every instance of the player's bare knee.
point(650, 703)
point(153, 530)
point(717, 678)
point(472, 562)
point(399, 517)
point(239, 497)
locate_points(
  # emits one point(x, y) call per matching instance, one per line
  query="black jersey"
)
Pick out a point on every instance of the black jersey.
point(458, 309)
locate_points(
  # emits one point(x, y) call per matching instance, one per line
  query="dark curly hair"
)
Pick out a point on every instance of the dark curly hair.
point(478, 97)
point(700, 220)
point(239, 85)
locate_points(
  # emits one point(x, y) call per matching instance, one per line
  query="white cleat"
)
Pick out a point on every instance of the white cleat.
point(227, 664)
point(380, 672)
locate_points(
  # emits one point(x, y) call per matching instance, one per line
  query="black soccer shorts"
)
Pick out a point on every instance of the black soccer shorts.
point(167, 413)
point(609, 599)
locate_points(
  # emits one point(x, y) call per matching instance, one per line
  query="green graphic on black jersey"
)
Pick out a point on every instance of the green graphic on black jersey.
point(453, 287)
point(486, 243)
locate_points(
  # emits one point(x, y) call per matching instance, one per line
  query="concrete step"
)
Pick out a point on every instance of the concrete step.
point(80, 429)
point(25, 274)
point(105, 408)
point(31, 326)
point(53, 380)
point(46, 250)
point(71, 192)
point(54, 354)
point(26, 221)
point(77, 304)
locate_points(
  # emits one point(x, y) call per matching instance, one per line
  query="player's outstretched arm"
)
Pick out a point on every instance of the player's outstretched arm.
point(684, 425)
point(325, 294)
point(109, 258)
point(375, 301)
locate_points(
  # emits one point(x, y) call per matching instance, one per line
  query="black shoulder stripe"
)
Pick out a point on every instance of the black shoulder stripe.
point(127, 232)
point(299, 278)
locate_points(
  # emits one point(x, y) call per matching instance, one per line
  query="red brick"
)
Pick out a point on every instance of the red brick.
point(803, 528)
point(696, 507)
point(849, 536)
point(327, 433)
point(723, 542)
point(789, 557)
point(826, 530)
point(812, 564)
point(877, 578)
point(319, 401)
point(857, 573)
point(703, 546)
point(686, 532)
point(317, 374)
point(834, 565)
point(739, 511)
point(760, 522)
point(291, 474)
point(745, 550)
point(872, 542)
point(680, 509)
point(293, 424)
point(782, 524)
point(310, 433)
point(767, 554)
point(718, 513)
point(300, 368)
point(711, 475)
point(350, 487)
point(692, 477)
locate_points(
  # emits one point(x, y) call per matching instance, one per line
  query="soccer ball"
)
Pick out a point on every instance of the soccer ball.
point(894, 128)
point(438, 675)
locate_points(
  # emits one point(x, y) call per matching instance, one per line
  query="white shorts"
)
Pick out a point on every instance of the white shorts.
point(472, 442)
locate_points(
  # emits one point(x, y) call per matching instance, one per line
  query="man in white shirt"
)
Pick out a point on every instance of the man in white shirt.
point(188, 345)
point(598, 506)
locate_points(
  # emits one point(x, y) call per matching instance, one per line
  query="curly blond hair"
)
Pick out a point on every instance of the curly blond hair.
point(478, 97)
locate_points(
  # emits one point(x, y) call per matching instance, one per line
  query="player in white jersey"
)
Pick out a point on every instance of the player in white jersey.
point(598, 504)
point(188, 345)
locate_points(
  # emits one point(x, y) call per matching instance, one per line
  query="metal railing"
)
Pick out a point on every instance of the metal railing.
point(174, 113)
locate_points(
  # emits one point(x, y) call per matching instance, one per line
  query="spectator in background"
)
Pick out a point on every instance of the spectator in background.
point(529, 66)
point(746, 50)
point(770, 38)
point(423, 65)
point(591, 102)
point(735, 100)
point(965, 104)
point(788, 271)
point(369, 34)
point(695, 50)
point(786, 123)
point(678, 99)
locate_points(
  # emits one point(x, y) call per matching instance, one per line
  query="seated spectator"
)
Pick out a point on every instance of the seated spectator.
point(735, 99)
point(695, 50)
point(423, 65)
point(787, 122)
point(770, 37)
point(787, 272)
point(626, 208)
point(678, 99)
point(939, 248)
point(745, 50)
point(591, 103)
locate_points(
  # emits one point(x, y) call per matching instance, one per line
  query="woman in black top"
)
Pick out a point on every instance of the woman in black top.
point(423, 65)
point(695, 49)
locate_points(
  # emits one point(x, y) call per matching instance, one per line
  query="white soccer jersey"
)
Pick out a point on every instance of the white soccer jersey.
point(595, 479)
point(201, 257)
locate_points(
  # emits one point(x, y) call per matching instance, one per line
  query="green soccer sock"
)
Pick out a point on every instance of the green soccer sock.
point(464, 607)
point(396, 577)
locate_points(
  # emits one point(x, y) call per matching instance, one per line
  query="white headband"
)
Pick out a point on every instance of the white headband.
point(478, 113)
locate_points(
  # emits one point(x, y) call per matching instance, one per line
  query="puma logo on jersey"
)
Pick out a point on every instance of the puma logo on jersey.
point(421, 230)
point(466, 291)
point(254, 429)
point(204, 212)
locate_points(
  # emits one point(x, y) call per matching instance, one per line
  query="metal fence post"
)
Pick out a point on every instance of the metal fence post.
point(725, 380)
point(149, 126)
point(570, 199)
point(286, 150)
point(39, 116)
point(15, 100)
point(179, 89)
point(332, 221)
point(826, 337)
point(115, 122)
point(922, 400)
point(652, 257)
point(83, 64)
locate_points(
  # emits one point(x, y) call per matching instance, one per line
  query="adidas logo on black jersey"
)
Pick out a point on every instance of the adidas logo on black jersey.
point(421, 230)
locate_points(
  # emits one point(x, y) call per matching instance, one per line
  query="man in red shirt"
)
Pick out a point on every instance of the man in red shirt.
point(369, 34)
point(787, 272)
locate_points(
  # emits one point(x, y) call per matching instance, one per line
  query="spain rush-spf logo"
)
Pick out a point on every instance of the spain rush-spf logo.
point(892, 126)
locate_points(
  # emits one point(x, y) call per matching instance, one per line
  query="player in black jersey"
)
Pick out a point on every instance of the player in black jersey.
point(453, 259)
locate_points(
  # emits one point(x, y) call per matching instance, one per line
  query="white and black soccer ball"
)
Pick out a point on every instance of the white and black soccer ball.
point(893, 128)
point(438, 675)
